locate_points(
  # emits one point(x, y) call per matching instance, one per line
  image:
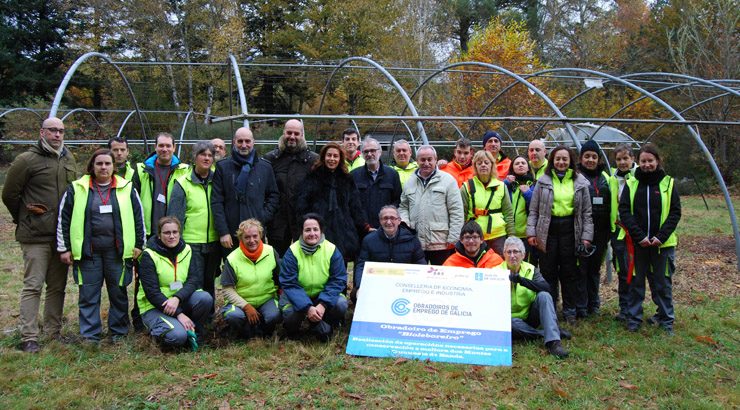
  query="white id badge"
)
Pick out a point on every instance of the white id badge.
point(597, 200)
point(161, 199)
point(176, 285)
point(106, 209)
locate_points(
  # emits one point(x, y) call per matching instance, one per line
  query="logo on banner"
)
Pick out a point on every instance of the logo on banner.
point(478, 275)
point(399, 307)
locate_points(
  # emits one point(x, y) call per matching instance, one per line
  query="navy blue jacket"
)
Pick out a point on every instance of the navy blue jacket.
point(376, 247)
point(230, 209)
point(384, 190)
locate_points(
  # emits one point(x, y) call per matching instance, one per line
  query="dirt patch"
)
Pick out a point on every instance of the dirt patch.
point(705, 265)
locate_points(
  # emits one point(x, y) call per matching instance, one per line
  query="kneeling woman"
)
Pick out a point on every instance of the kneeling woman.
point(313, 277)
point(172, 302)
point(249, 280)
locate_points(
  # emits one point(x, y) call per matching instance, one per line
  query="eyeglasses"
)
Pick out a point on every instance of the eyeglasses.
point(389, 218)
point(468, 238)
point(370, 150)
point(512, 251)
point(54, 130)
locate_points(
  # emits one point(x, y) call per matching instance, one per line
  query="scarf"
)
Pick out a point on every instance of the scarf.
point(246, 162)
point(48, 148)
point(252, 256)
point(310, 249)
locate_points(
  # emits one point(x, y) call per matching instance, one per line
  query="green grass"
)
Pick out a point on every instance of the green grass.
point(608, 367)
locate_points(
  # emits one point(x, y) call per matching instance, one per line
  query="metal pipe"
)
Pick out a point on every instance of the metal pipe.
point(240, 88)
point(71, 71)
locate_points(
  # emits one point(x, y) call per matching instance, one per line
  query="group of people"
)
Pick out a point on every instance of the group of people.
point(279, 230)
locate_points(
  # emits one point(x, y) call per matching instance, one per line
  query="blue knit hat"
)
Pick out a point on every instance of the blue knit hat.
point(491, 134)
point(590, 145)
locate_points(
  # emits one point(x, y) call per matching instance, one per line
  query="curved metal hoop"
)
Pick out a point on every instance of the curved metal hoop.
point(391, 79)
point(518, 80)
point(67, 77)
point(240, 89)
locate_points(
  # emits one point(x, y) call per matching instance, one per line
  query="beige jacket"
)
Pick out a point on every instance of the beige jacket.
point(434, 211)
point(540, 211)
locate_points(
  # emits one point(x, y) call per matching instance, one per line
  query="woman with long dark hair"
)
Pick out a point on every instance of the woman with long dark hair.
point(330, 191)
point(560, 227)
point(520, 183)
point(650, 209)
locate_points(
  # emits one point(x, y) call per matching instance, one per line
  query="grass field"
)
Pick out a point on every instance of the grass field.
point(608, 367)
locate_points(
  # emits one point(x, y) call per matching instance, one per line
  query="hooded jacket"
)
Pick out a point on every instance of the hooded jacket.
point(231, 207)
point(37, 179)
point(144, 183)
point(377, 247)
point(486, 258)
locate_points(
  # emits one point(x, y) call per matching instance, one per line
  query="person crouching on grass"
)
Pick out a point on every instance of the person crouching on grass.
point(250, 283)
point(532, 310)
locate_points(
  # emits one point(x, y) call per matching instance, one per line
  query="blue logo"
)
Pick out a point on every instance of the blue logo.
point(398, 307)
point(478, 275)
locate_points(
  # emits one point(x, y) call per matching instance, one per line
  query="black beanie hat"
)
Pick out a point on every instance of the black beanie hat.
point(590, 145)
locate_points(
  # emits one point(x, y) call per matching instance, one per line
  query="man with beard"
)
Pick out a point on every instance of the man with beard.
point(220, 146)
point(243, 187)
point(291, 161)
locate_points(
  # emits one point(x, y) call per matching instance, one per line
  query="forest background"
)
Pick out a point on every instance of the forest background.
point(40, 39)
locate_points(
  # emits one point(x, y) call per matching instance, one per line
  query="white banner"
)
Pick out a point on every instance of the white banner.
point(439, 313)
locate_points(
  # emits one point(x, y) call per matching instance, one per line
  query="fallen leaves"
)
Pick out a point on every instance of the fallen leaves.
point(198, 377)
point(400, 360)
point(707, 340)
point(560, 392)
point(627, 385)
point(353, 396)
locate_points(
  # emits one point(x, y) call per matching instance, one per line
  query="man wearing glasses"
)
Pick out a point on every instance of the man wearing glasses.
point(34, 185)
point(394, 243)
point(532, 310)
point(471, 251)
point(378, 184)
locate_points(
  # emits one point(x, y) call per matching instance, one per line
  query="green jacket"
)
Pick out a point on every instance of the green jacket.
point(37, 177)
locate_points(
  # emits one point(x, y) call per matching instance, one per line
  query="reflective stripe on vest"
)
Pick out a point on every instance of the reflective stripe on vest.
point(254, 279)
point(146, 194)
point(81, 189)
point(198, 226)
point(666, 191)
point(313, 270)
point(489, 215)
point(166, 274)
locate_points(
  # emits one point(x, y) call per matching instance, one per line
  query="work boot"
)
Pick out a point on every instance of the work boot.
point(653, 320)
point(556, 349)
point(620, 317)
point(30, 346)
point(564, 334)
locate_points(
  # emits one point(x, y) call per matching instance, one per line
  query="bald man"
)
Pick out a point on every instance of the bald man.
point(537, 158)
point(291, 161)
point(243, 187)
point(34, 185)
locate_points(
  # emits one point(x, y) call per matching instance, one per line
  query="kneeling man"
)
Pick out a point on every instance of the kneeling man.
point(532, 310)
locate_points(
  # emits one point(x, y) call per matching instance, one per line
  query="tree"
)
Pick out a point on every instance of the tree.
point(32, 48)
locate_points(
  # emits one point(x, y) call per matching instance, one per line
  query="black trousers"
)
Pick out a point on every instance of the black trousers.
point(559, 265)
point(591, 267)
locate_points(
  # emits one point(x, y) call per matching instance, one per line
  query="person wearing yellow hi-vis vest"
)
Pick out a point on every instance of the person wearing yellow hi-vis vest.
point(532, 310)
point(155, 178)
point(520, 183)
point(100, 232)
point(122, 167)
point(313, 277)
point(486, 200)
point(591, 166)
point(650, 209)
point(170, 299)
point(560, 227)
point(625, 170)
point(250, 283)
point(190, 203)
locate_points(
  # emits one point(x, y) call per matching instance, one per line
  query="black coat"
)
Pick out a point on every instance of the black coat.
point(334, 196)
point(230, 208)
point(376, 247)
point(290, 170)
point(384, 190)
